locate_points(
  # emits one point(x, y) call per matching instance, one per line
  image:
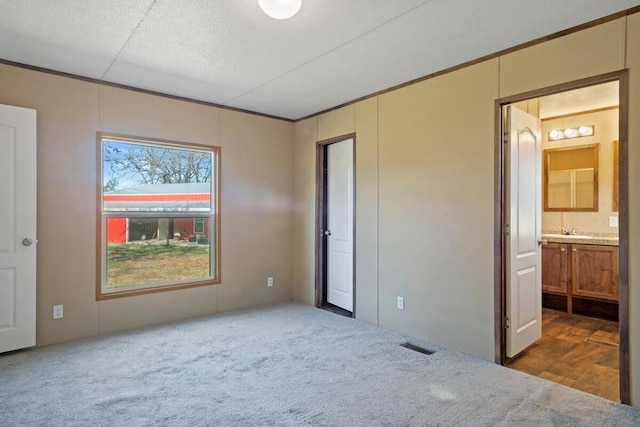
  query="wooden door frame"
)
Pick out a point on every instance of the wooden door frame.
point(321, 199)
point(500, 281)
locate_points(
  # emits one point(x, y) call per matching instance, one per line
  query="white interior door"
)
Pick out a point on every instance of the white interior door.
point(524, 278)
point(340, 224)
point(18, 234)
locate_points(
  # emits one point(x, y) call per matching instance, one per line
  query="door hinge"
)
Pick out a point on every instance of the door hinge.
point(506, 229)
point(506, 322)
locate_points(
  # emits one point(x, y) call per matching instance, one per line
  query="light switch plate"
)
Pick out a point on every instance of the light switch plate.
point(613, 221)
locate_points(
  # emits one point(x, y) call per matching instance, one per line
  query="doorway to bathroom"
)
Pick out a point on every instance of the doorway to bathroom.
point(563, 315)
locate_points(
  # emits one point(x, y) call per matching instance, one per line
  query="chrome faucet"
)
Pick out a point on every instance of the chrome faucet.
point(566, 231)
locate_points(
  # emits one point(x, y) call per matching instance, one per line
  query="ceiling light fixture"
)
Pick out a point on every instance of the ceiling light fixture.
point(559, 134)
point(280, 9)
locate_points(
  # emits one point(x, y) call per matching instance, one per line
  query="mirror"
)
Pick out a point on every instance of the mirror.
point(571, 178)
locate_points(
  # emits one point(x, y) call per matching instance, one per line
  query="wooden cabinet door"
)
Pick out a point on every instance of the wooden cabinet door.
point(594, 271)
point(555, 267)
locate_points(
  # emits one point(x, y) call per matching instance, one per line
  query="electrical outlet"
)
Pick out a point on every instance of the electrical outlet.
point(400, 303)
point(613, 221)
point(58, 311)
point(269, 281)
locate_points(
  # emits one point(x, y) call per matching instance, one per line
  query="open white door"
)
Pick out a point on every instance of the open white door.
point(18, 235)
point(523, 201)
point(340, 224)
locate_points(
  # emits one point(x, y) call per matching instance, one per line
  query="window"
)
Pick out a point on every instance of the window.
point(198, 225)
point(158, 215)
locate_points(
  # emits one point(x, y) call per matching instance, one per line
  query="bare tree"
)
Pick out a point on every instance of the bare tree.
point(147, 164)
point(111, 184)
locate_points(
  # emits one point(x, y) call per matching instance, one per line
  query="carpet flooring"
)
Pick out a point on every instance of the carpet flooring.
point(283, 365)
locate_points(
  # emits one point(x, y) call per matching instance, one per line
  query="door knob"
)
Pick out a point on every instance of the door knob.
point(27, 241)
point(542, 242)
point(327, 233)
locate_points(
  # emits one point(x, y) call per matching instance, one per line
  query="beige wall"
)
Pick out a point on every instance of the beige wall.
point(427, 188)
point(256, 201)
point(590, 52)
point(304, 227)
point(633, 159)
point(409, 221)
point(606, 131)
point(359, 118)
point(367, 233)
point(436, 209)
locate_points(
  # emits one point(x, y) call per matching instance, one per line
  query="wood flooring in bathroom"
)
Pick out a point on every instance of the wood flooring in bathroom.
point(564, 355)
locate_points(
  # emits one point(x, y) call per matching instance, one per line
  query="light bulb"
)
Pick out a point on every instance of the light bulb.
point(280, 9)
point(555, 134)
point(570, 132)
point(585, 130)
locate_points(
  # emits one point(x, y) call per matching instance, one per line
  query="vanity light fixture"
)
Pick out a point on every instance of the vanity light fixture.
point(280, 9)
point(576, 132)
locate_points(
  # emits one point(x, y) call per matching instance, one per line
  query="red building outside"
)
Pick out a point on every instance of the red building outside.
point(166, 200)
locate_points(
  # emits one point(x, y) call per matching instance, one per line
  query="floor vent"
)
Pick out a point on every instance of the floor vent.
point(602, 343)
point(417, 348)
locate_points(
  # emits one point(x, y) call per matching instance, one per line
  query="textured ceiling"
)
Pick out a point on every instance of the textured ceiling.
point(585, 99)
point(229, 53)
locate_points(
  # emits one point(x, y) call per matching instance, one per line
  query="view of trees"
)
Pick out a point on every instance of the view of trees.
point(126, 164)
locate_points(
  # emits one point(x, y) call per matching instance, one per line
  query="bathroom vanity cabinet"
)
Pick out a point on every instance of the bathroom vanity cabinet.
point(580, 278)
point(555, 268)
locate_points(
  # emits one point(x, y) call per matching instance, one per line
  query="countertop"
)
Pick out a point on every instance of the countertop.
point(581, 239)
